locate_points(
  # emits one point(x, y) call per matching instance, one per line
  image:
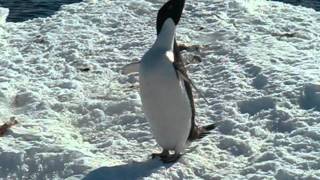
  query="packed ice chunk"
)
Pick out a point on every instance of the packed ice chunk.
point(4, 12)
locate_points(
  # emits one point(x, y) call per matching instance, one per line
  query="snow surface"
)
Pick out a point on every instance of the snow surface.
point(80, 118)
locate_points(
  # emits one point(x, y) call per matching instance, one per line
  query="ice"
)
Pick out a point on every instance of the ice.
point(257, 62)
point(3, 15)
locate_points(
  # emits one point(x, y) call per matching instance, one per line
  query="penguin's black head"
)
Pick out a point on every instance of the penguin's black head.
point(172, 9)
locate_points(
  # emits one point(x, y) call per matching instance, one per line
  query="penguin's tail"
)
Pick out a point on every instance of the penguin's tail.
point(205, 130)
point(199, 132)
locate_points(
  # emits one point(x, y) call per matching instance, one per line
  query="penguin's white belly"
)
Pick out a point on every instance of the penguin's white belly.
point(165, 103)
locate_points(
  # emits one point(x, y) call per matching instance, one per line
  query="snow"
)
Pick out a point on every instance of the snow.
point(80, 118)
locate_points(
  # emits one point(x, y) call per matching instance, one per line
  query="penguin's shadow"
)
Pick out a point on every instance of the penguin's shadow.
point(132, 171)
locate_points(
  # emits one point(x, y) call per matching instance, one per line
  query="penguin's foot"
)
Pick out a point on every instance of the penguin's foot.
point(163, 154)
point(171, 158)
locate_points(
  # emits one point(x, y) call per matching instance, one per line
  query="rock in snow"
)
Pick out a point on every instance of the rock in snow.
point(259, 69)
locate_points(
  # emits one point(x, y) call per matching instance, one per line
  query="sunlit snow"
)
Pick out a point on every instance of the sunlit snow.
point(78, 116)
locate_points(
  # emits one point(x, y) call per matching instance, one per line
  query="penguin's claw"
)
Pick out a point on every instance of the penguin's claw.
point(163, 154)
point(171, 158)
point(166, 157)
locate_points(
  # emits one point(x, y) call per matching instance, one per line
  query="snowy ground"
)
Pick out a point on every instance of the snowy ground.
point(79, 117)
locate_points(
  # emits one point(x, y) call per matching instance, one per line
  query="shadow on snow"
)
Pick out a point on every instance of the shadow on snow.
point(135, 170)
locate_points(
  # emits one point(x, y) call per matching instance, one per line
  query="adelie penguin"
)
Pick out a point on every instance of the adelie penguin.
point(165, 88)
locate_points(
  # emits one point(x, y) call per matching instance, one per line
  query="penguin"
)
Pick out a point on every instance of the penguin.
point(170, 10)
point(166, 89)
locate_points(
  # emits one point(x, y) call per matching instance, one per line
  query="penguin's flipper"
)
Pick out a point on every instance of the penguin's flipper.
point(131, 68)
point(187, 79)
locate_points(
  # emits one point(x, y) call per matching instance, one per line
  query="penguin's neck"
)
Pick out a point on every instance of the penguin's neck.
point(165, 38)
